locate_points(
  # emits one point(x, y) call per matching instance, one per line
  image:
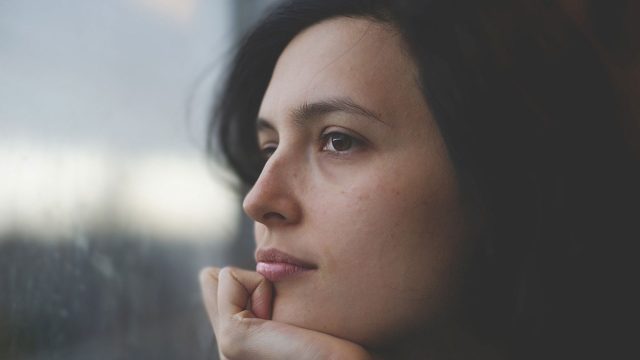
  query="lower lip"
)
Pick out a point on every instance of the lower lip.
point(279, 271)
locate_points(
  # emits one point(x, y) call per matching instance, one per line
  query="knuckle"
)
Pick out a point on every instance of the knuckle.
point(225, 271)
point(206, 275)
point(230, 344)
point(234, 334)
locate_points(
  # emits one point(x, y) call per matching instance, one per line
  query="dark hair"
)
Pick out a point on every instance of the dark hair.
point(613, 25)
point(526, 110)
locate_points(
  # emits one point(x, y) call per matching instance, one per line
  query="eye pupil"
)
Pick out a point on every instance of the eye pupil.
point(340, 142)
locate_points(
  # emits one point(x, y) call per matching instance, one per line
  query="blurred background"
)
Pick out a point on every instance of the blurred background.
point(109, 206)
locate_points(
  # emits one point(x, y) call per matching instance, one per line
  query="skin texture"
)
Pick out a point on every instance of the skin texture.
point(244, 333)
point(379, 214)
point(383, 221)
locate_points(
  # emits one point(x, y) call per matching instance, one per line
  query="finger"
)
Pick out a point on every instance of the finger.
point(275, 340)
point(209, 284)
point(238, 288)
point(245, 335)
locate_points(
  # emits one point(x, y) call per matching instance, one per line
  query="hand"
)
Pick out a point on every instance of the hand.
point(239, 304)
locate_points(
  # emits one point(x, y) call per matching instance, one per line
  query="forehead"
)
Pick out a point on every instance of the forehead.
point(344, 57)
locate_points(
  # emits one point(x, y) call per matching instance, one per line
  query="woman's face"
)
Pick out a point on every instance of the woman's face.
point(357, 184)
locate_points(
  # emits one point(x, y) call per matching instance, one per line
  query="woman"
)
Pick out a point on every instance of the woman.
point(429, 179)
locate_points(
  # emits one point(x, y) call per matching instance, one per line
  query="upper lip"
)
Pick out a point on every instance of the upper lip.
point(273, 255)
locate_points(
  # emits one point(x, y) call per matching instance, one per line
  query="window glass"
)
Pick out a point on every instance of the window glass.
point(108, 205)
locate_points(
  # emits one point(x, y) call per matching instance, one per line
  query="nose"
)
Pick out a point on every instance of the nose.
point(273, 201)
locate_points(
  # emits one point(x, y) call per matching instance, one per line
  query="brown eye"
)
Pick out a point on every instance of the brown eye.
point(267, 151)
point(338, 142)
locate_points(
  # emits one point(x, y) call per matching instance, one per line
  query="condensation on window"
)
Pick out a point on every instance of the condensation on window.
point(109, 206)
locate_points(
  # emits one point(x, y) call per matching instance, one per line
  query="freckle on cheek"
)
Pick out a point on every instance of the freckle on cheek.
point(363, 196)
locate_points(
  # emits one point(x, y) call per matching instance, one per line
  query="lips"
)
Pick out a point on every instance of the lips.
point(276, 265)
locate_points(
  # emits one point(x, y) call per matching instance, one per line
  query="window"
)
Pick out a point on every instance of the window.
point(108, 206)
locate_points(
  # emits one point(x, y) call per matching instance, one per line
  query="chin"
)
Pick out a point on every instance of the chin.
point(310, 311)
point(299, 310)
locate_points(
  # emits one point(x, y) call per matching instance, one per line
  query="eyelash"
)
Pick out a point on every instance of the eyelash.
point(354, 143)
point(267, 150)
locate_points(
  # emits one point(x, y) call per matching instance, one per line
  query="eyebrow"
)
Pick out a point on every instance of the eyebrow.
point(316, 109)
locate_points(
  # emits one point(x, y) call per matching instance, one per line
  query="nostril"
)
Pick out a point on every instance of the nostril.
point(273, 216)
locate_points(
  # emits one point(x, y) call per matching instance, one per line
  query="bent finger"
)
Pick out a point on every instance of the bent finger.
point(274, 340)
point(244, 292)
point(209, 280)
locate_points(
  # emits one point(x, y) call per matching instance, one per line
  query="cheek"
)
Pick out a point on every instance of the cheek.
point(373, 219)
point(385, 235)
point(371, 239)
point(390, 246)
